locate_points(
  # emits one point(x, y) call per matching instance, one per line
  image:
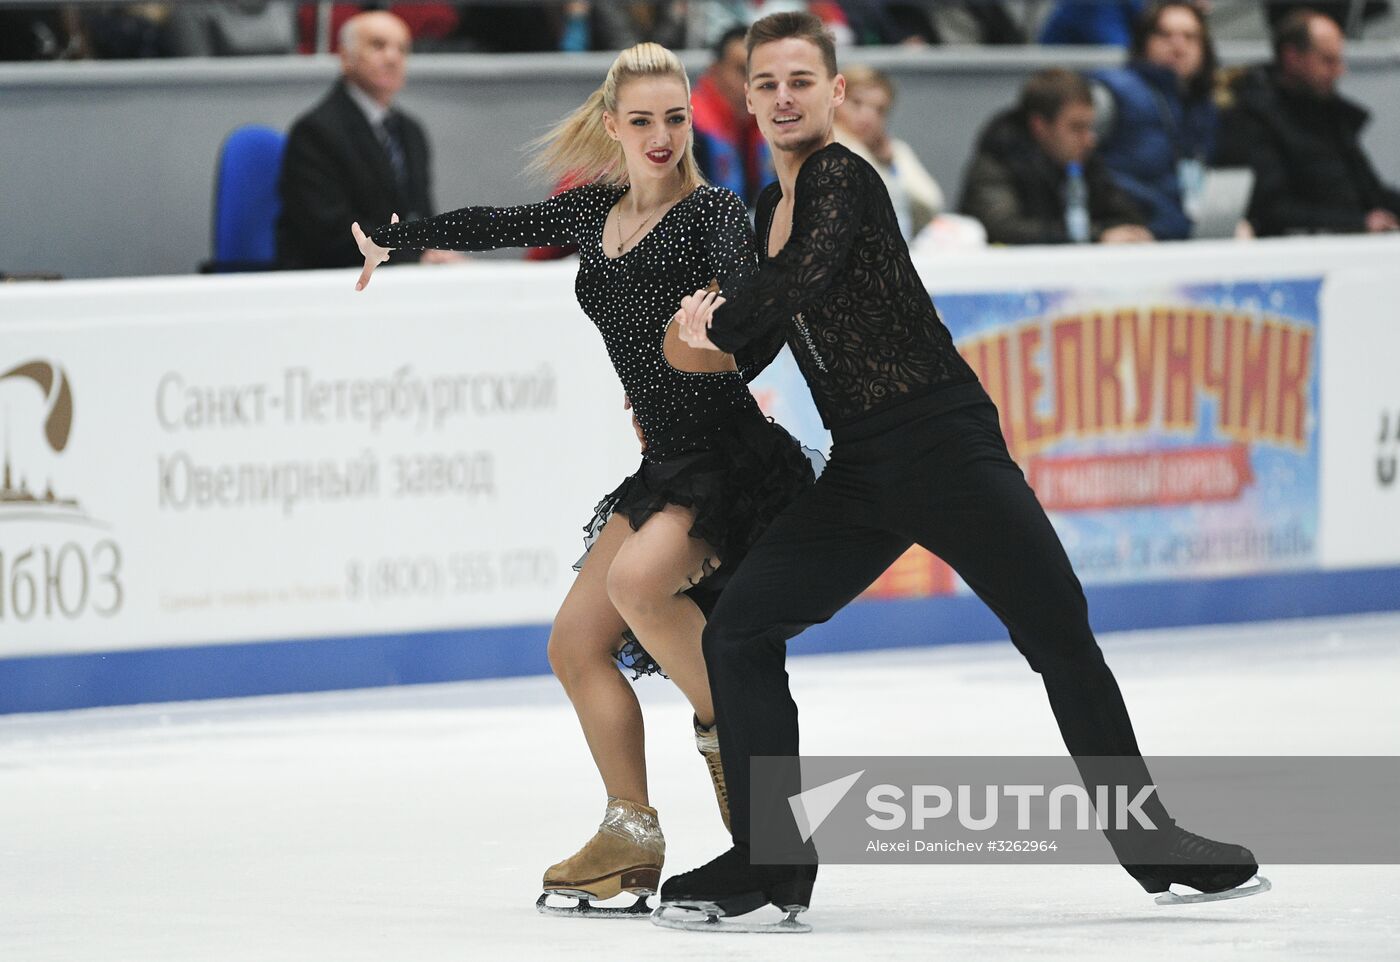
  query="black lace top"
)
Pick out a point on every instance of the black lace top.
point(631, 298)
point(844, 293)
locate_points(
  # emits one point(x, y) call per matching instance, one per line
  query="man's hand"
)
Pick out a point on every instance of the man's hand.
point(1126, 234)
point(636, 425)
point(373, 253)
point(693, 319)
point(1380, 220)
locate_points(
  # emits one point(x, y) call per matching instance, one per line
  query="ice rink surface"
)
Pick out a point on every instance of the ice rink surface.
point(414, 824)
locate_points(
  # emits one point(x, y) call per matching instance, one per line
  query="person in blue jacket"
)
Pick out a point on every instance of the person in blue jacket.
point(1106, 23)
point(1157, 118)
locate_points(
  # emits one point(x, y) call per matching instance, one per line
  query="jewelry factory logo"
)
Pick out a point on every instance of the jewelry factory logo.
point(16, 499)
point(46, 572)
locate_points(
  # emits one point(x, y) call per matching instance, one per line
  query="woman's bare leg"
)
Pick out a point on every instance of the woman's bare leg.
point(586, 634)
point(646, 578)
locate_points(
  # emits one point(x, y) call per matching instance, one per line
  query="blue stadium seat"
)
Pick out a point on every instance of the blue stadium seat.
point(246, 202)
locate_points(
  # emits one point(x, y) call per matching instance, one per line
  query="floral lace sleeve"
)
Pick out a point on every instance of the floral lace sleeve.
point(733, 260)
point(825, 220)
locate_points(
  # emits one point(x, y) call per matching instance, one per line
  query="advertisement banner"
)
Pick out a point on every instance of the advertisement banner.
point(203, 461)
point(1170, 432)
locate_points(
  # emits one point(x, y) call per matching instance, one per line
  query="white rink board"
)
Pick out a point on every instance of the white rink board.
point(188, 531)
point(278, 456)
point(1361, 416)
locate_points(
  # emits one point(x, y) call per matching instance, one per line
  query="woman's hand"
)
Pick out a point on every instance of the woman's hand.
point(694, 317)
point(374, 254)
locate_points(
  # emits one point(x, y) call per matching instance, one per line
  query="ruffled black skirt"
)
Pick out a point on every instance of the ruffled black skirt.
point(749, 470)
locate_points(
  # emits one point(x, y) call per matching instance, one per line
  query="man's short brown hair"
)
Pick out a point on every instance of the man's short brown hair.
point(1049, 91)
point(1295, 31)
point(802, 26)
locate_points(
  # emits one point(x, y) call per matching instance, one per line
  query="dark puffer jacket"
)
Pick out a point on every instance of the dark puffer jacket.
point(1310, 173)
point(1018, 192)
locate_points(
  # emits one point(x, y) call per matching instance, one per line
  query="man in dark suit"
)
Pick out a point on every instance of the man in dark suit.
point(354, 156)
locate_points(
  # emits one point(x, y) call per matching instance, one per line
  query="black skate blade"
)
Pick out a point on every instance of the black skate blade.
point(705, 917)
point(584, 908)
point(1261, 884)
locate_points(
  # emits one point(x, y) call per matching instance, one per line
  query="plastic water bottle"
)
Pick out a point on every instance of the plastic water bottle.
point(575, 37)
point(1076, 204)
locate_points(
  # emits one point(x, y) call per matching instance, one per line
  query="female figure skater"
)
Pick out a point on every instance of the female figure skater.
point(714, 472)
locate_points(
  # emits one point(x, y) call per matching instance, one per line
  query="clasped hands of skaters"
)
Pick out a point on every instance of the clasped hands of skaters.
point(694, 317)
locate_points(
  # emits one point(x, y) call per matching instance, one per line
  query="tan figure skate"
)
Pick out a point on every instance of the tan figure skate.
point(625, 855)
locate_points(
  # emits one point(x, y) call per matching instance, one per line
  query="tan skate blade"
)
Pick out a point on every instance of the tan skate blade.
point(638, 880)
point(585, 909)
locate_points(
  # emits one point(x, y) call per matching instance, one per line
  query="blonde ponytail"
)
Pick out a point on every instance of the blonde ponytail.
point(579, 148)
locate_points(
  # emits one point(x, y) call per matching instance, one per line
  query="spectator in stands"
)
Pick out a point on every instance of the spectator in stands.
point(609, 25)
point(231, 28)
point(1341, 11)
point(862, 126)
point(1156, 116)
point(41, 34)
point(920, 22)
point(510, 27)
point(1092, 22)
point(126, 32)
point(575, 26)
point(429, 24)
point(1303, 139)
point(728, 147)
point(708, 20)
point(1017, 182)
point(326, 184)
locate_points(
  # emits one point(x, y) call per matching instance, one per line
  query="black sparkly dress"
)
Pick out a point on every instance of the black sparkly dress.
point(708, 447)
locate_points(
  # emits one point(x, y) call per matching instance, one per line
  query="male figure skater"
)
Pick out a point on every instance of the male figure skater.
point(918, 456)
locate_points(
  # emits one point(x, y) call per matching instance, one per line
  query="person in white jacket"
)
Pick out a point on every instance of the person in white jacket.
point(861, 126)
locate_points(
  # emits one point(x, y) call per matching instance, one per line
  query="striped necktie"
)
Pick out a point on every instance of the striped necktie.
point(390, 136)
